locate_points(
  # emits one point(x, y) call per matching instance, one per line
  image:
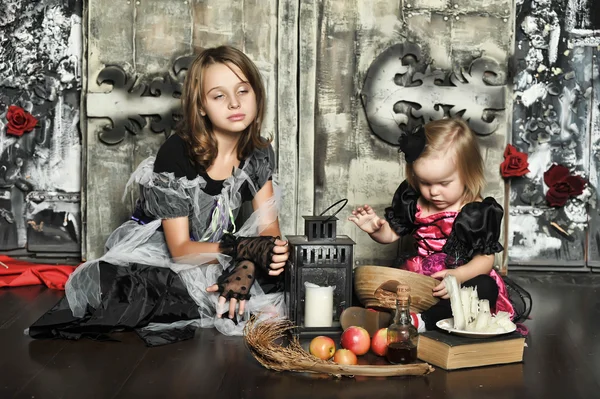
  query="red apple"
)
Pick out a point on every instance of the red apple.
point(356, 339)
point(379, 342)
point(345, 356)
point(322, 347)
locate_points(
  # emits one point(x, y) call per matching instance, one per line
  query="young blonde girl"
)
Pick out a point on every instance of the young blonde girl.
point(440, 204)
point(185, 258)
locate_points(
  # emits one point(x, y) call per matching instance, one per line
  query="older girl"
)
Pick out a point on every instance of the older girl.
point(186, 258)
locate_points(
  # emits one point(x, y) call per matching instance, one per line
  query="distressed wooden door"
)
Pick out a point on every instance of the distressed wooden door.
point(556, 121)
point(340, 156)
point(136, 53)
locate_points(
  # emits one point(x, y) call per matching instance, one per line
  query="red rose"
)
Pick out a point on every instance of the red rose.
point(19, 121)
point(561, 185)
point(515, 163)
point(576, 185)
point(558, 195)
point(555, 174)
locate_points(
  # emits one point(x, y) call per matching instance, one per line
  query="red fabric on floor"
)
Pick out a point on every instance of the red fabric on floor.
point(21, 273)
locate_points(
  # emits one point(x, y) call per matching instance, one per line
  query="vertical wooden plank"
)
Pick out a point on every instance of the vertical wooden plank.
point(110, 34)
point(259, 22)
point(550, 123)
point(145, 40)
point(287, 112)
point(162, 33)
point(593, 239)
point(260, 26)
point(351, 162)
point(309, 17)
point(151, 35)
point(374, 168)
point(494, 37)
point(335, 102)
point(436, 31)
point(85, 13)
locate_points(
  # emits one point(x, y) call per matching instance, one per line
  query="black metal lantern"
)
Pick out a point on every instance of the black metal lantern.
point(318, 284)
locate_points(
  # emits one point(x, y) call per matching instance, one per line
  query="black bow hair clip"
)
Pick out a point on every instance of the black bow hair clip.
point(412, 144)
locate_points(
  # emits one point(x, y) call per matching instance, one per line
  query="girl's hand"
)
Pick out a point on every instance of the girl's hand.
point(222, 307)
point(440, 289)
point(366, 219)
point(281, 253)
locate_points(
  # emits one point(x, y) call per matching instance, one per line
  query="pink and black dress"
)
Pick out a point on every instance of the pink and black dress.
point(447, 240)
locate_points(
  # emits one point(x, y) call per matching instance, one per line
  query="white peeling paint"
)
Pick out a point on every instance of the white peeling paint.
point(57, 161)
point(553, 44)
point(577, 9)
point(539, 161)
point(576, 213)
point(536, 92)
point(531, 242)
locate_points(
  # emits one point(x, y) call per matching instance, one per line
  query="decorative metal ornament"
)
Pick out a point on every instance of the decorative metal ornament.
point(401, 92)
point(129, 103)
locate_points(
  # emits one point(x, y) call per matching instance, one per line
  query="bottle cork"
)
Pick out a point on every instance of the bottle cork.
point(403, 291)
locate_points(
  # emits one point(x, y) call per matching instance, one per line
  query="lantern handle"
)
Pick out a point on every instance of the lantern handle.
point(344, 200)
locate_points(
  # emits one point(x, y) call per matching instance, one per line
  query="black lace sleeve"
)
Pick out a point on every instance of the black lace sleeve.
point(476, 231)
point(401, 215)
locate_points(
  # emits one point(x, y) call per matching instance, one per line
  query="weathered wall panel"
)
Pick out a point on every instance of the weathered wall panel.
point(144, 39)
point(308, 36)
point(314, 56)
point(110, 42)
point(287, 112)
point(343, 152)
point(161, 33)
point(593, 240)
point(349, 161)
point(551, 122)
point(40, 179)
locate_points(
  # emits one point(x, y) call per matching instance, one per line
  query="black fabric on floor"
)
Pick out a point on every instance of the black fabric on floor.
point(132, 297)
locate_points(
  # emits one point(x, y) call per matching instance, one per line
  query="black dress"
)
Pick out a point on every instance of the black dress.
point(449, 240)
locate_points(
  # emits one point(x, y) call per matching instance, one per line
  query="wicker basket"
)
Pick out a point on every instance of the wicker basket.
point(369, 279)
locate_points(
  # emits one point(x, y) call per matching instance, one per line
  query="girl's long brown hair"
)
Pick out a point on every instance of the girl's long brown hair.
point(196, 130)
point(456, 136)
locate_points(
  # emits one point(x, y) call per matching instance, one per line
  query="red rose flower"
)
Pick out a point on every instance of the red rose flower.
point(19, 121)
point(561, 185)
point(555, 174)
point(515, 163)
point(576, 185)
point(558, 194)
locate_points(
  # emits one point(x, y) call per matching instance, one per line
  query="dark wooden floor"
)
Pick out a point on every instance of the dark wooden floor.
point(562, 359)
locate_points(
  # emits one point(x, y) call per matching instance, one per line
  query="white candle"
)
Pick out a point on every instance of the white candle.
point(318, 306)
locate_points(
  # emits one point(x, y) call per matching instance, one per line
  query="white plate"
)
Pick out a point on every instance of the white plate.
point(448, 325)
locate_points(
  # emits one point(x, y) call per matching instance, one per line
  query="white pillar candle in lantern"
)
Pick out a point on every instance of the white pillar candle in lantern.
point(318, 306)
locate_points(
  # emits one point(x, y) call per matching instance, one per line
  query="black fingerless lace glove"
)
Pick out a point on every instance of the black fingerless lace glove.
point(259, 250)
point(237, 282)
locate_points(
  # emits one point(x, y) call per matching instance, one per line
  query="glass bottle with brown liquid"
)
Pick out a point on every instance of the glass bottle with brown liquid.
point(402, 336)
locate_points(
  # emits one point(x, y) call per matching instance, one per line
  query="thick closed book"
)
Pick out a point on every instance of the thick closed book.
point(452, 352)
